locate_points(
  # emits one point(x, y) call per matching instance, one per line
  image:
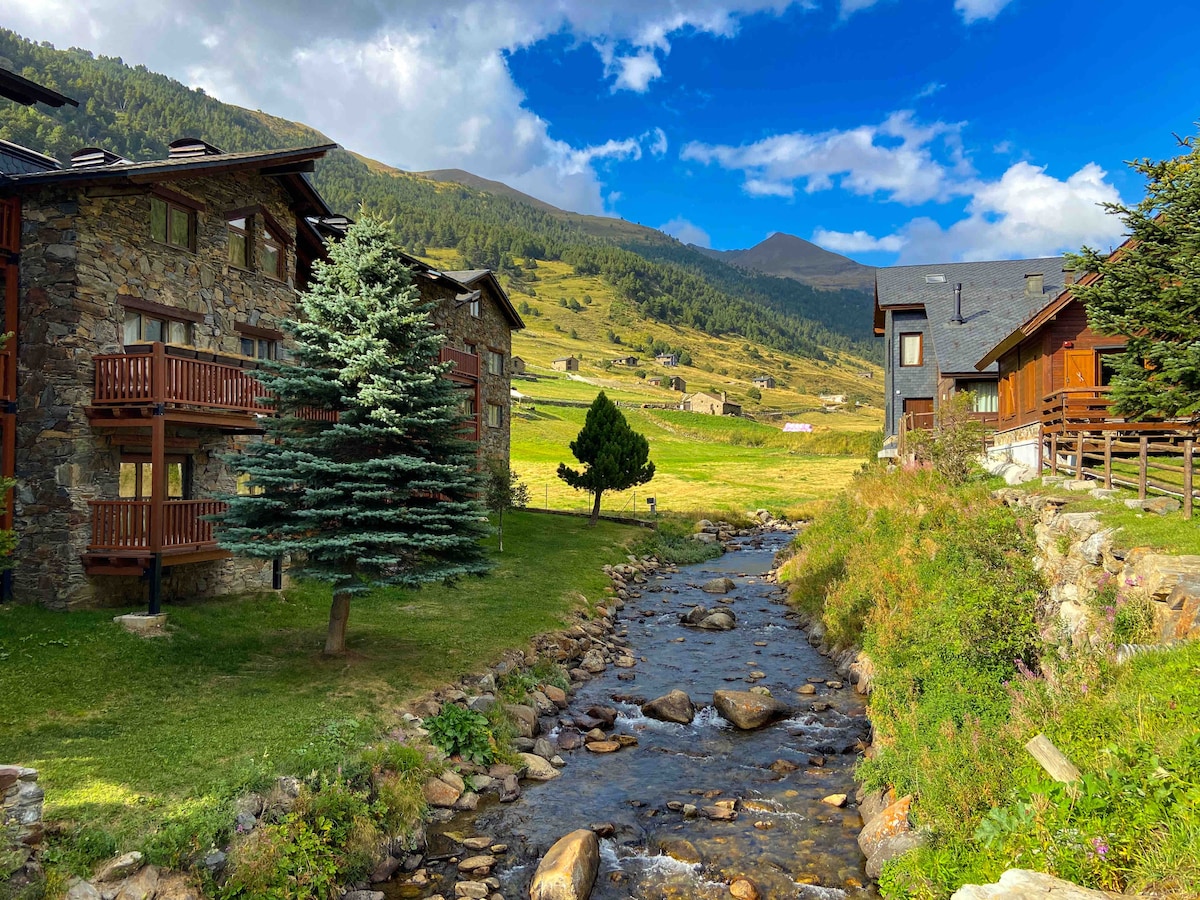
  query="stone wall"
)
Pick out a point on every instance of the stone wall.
point(20, 814)
point(83, 251)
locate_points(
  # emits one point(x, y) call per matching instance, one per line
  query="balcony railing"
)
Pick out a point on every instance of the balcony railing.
point(122, 526)
point(466, 365)
point(1076, 409)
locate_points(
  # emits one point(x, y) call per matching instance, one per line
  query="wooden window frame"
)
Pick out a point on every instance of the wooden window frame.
point(920, 336)
point(498, 355)
point(138, 460)
point(499, 423)
point(278, 238)
point(258, 219)
point(174, 203)
point(230, 234)
point(476, 308)
point(165, 314)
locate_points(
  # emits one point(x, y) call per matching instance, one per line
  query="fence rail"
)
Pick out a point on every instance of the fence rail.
point(1130, 460)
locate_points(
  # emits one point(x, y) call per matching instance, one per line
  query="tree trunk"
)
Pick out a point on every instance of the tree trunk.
point(596, 509)
point(339, 615)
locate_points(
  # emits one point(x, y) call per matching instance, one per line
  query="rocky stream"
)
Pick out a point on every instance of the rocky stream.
point(699, 810)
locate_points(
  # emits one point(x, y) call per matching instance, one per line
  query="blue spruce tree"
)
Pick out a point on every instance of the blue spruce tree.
point(389, 493)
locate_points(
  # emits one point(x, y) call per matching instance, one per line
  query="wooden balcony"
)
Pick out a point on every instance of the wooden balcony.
point(123, 543)
point(129, 386)
point(466, 365)
point(1074, 410)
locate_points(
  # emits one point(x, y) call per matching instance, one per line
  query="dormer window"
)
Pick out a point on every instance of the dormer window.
point(272, 258)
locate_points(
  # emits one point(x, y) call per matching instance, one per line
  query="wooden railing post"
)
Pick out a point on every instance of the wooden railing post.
point(1053, 454)
point(1143, 458)
point(1188, 446)
point(1079, 458)
point(1108, 442)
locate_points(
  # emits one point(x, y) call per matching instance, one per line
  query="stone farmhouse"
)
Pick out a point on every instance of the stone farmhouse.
point(711, 404)
point(565, 364)
point(667, 359)
point(142, 296)
point(676, 383)
point(938, 320)
point(764, 381)
point(625, 361)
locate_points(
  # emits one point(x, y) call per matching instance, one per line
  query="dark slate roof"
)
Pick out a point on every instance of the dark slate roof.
point(18, 160)
point(474, 277)
point(994, 302)
point(467, 276)
point(22, 90)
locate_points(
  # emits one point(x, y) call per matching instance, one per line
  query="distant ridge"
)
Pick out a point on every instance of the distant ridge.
point(788, 256)
point(478, 183)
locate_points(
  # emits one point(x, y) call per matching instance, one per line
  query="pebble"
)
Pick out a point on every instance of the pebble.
point(835, 800)
point(806, 689)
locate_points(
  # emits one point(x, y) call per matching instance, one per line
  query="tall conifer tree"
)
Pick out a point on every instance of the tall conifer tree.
point(615, 457)
point(1149, 292)
point(387, 495)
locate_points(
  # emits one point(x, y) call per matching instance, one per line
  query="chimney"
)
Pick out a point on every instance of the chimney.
point(957, 318)
point(92, 157)
point(187, 148)
point(1034, 285)
point(1068, 277)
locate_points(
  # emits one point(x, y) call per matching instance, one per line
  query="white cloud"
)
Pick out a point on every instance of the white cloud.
point(420, 84)
point(856, 241)
point(929, 90)
point(683, 230)
point(899, 158)
point(973, 11)
point(1024, 213)
point(847, 8)
point(658, 146)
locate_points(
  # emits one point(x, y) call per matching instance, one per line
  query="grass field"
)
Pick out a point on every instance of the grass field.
point(703, 462)
point(131, 733)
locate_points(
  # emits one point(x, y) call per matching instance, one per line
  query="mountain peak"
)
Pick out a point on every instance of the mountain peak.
point(788, 256)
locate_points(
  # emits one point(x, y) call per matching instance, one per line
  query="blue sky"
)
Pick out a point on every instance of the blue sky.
point(890, 130)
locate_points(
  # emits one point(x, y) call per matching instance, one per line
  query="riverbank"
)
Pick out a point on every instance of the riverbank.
point(938, 586)
point(145, 743)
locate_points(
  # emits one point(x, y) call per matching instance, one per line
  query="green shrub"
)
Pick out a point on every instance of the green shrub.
point(287, 861)
point(458, 731)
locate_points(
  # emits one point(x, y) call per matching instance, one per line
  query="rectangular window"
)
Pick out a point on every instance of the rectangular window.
point(137, 479)
point(239, 242)
point(139, 327)
point(495, 363)
point(259, 348)
point(987, 395)
point(244, 488)
point(912, 350)
point(172, 224)
point(271, 258)
point(495, 415)
point(469, 410)
point(476, 308)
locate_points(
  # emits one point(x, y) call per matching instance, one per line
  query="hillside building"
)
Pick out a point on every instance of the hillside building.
point(565, 364)
point(764, 381)
point(143, 296)
point(518, 365)
point(625, 361)
point(711, 404)
point(939, 320)
point(676, 383)
point(667, 359)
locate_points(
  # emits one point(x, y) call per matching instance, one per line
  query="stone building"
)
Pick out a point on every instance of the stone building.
point(711, 404)
point(764, 381)
point(147, 292)
point(565, 364)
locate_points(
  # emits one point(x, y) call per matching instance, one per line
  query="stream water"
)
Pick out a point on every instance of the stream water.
point(788, 842)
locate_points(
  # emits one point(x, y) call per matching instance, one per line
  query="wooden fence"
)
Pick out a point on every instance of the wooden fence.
point(1143, 462)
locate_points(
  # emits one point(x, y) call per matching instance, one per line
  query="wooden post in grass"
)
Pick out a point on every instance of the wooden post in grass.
point(1079, 458)
point(1188, 447)
point(1053, 454)
point(1108, 442)
point(1143, 459)
point(1053, 760)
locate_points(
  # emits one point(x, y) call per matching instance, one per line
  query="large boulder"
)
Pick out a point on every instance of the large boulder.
point(568, 870)
point(1021, 884)
point(675, 706)
point(718, 586)
point(538, 769)
point(718, 621)
point(748, 711)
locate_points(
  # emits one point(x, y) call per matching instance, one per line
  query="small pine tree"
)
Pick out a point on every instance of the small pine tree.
point(1149, 292)
point(505, 490)
point(387, 495)
point(615, 456)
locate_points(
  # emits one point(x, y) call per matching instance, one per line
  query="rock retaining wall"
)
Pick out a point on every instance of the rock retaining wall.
point(20, 819)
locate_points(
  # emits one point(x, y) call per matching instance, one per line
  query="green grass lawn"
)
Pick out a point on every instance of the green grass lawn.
point(130, 733)
point(710, 463)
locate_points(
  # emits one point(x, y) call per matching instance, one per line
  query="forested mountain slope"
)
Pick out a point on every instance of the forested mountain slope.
point(136, 113)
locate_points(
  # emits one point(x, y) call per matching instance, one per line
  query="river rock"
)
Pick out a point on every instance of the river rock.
point(743, 889)
point(1021, 884)
point(510, 788)
point(605, 714)
point(719, 813)
point(354, 895)
point(542, 748)
point(593, 662)
point(556, 695)
point(806, 689)
point(543, 704)
point(748, 711)
point(384, 870)
point(119, 867)
point(141, 885)
point(568, 870)
point(524, 718)
point(538, 769)
point(888, 822)
point(718, 586)
point(679, 849)
point(675, 706)
point(694, 616)
point(834, 800)
point(473, 863)
point(82, 890)
point(718, 621)
point(569, 740)
point(471, 890)
point(603, 746)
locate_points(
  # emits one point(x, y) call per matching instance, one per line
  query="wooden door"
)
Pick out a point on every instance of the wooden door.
point(921, 409)
point(1079, 367)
